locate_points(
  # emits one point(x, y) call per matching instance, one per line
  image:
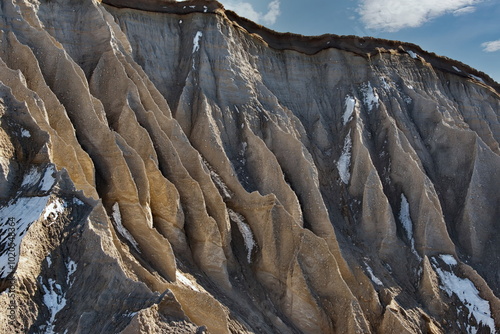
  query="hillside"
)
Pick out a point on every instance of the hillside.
point(171, 167)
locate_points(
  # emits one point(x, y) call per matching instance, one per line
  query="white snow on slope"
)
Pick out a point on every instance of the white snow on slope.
point(245, 231)
point(77, 201)
point(186, 281)
point(344, 162)
point(15, 218)
point(385, 84)
point(71, 268)
point(405, 219)
point(31, 178)
point(350, 103)
point(374, 278)
point(412, 54)
point(477, 78)
point(370, 97)
point(407, 99)
point(48, 179)
point(219, 183)
point(54, 297)
point(55, 300)
point(25, 133)
point(467, 292)
point(53, 210)
point(448, 259)
point(196, 41)
point(20, 212)
point(117, 218)
point(43, 182)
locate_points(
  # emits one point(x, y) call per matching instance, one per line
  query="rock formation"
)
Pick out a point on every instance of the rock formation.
point(173, 167)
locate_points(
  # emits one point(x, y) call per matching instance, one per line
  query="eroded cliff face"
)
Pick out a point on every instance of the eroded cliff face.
point(171, 167)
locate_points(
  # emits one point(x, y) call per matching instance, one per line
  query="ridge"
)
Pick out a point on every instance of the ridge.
point(362, 46)
point(194, 171)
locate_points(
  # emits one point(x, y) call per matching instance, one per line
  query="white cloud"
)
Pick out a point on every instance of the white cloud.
point(491, 46)
point(393, 15)
point(464, 10)
point(246, 9)
point(273, 13)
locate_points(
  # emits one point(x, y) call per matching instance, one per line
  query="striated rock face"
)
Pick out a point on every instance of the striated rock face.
point(172, 167)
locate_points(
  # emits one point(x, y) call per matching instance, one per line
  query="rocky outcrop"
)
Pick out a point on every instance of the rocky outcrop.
point(172, 167)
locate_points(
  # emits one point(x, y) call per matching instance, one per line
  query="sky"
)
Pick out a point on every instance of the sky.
point(465, 30)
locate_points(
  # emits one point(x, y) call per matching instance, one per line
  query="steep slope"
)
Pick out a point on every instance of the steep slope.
point(172, 167)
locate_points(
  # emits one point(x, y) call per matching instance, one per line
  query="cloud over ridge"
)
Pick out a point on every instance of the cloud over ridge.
point(491, 46)
point(394, 15)
point(246, 9)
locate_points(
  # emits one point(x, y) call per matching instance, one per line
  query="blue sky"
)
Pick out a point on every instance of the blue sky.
point(465, 30)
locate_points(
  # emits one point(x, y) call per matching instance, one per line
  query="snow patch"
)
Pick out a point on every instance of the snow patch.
point(374, 278)
point(55, 300)
point(412, 54)
point(53, 210)
point(44, 181)
point(20, 212)
point(117, 218)
point(31, 178)
point(405, 219)
point(245, 231)
point(25, 133)
point(370, 96)
point(196, 41)
point(456, 69)
point(54, 297)
point(476, 78)
point(242, 153)
point(77, 201)
point(350, 103)
point(15, 219)
point(448, 259)
point(467, 292)
point(130, 314)
point(71, 268)
point(406, 98)
point(344, 162)
point(186, 281)
point(48, 179)
point(240, 162)
point(221, 186)
point(385, 84)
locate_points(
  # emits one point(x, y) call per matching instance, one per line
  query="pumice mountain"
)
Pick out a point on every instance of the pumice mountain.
point(171, 167)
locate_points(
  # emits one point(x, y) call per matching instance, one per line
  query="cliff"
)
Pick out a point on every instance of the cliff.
point(172, 167)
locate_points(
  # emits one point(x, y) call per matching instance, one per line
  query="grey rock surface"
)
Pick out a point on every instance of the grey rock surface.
point(171, 167)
